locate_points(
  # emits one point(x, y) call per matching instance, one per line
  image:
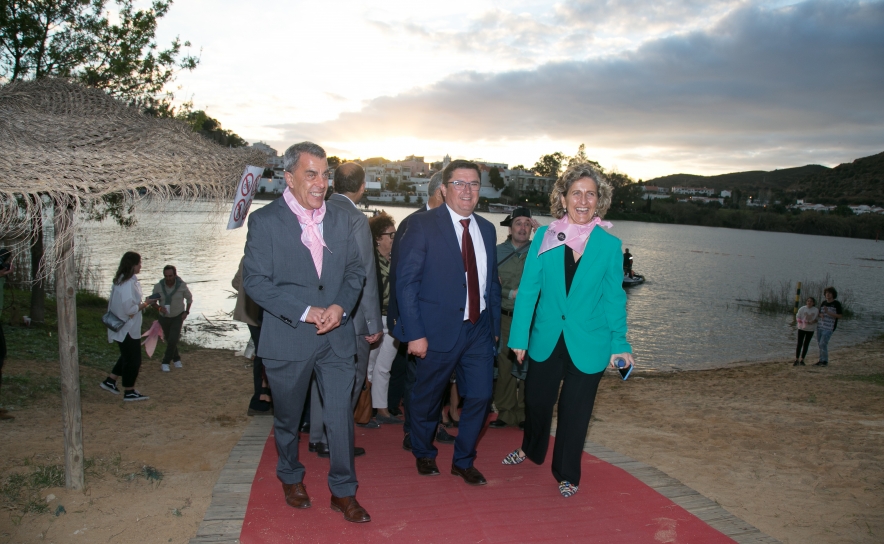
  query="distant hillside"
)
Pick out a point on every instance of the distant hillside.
point(744, 181)
point(857, 182)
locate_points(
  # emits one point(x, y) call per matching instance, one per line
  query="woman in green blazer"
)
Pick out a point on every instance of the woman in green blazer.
point(570, 317)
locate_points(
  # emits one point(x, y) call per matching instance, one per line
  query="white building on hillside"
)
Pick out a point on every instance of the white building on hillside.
point(693, 191)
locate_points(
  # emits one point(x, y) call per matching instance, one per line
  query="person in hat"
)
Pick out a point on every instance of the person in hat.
point(509, 391)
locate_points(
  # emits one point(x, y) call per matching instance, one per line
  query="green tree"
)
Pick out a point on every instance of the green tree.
point(495, 178)
point(76, 39)
point(211, 128)
point(549, 165)
point(581, 157)
point(392, 183)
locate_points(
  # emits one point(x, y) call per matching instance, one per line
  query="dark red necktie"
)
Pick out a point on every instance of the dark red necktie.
point(468, 253)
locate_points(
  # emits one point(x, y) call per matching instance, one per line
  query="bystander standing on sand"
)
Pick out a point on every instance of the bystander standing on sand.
point(806, 319)
point(830, 313)
point(173, 293)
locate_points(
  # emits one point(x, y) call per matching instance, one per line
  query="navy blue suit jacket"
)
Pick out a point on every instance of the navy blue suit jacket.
point(431, 289)
point(393, 325)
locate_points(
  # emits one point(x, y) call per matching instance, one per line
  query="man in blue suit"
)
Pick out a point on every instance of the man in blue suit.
point(448, 293)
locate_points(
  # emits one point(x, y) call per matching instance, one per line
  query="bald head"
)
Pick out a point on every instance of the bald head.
point(350, 180)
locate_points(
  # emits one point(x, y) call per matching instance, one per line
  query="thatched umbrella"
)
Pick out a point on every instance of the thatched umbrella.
point(72, 146)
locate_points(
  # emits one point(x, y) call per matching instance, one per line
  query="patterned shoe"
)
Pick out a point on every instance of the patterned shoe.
point(567, 489)
point(513, 458)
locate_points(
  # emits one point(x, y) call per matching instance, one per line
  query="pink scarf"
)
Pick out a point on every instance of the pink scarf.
point(310, 235)
point(562, 231)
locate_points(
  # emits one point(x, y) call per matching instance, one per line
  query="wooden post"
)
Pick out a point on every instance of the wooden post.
point(66, 299)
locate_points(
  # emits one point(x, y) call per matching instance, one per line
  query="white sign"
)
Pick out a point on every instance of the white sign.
point(245, 192)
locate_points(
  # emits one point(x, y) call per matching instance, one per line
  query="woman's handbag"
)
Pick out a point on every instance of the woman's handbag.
point(110, 319)
point(112, 322)
point(362, 414)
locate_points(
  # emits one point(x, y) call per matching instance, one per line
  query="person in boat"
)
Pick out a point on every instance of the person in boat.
point(570, 317)
point(627, 264)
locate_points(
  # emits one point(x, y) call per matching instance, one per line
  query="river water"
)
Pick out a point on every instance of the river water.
point(689, 314)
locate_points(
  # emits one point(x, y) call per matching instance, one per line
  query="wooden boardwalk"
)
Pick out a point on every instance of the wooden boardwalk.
point(230, 497)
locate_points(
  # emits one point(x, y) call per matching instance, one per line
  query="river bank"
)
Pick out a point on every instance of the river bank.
point(797, 452)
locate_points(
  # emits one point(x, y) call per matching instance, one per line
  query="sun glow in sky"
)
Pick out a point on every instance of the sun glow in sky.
point(651, 88)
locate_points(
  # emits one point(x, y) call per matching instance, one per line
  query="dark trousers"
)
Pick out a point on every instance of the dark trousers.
point(472, 360)
point(257, 374)
point(803, 343)
point(396, 388)
point(172, 331)
point(575, 408)
point(290, 382)
point(129, 362)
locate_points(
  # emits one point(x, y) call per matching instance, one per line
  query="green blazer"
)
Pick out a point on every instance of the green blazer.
point(592, 315)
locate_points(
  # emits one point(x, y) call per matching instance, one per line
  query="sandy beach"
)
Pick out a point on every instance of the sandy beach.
point(797, 452)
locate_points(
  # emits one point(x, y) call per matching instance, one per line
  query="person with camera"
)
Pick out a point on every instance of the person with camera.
point(6, 269)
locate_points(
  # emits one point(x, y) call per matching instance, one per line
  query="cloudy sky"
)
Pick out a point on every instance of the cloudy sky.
point(651, 88)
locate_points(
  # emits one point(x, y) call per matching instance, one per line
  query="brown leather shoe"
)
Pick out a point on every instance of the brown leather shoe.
point(350, 508)
point(470, 475)
point(427, 467)
point(296, 495)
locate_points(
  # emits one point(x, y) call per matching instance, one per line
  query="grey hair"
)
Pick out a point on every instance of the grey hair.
point(293, 154)
point(573, 173)
point(434, 184)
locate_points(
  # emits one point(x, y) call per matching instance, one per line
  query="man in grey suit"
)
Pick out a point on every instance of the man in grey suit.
point(366, 317)
point(302, 266)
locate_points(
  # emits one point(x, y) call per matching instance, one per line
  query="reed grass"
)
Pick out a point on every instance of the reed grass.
point(779, 297)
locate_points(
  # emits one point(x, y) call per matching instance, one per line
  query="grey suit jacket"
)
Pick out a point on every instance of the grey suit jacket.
point(367, 314)
point(279, 275)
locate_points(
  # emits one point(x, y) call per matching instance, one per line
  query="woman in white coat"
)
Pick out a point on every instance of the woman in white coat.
point(126, 303)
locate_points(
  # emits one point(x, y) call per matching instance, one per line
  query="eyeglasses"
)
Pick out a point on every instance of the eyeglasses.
point(390, 234)
point(462, 185)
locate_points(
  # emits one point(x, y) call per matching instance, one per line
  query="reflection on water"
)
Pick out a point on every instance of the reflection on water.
point(685, 316)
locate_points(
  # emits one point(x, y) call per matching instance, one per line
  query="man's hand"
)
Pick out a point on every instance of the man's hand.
point(418, 347)
point(314, 315)
point(372, 338)
point(330, 319)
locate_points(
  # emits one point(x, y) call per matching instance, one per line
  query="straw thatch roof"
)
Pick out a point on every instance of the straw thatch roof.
point(75, 144)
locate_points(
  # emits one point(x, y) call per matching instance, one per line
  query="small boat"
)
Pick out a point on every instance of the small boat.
point(635, 279)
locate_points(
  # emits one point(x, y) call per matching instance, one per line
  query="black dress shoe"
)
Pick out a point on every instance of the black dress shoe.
point(497, 424)
point(322, 450)
point(313, 446)
point(305, 428)
point(443, 437)
point(406, 442)
point(522, 425)
point(470, 475)
point(427, 467)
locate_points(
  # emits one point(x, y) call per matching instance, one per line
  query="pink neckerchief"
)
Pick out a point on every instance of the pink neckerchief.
point(562, 231)
point(310, 235)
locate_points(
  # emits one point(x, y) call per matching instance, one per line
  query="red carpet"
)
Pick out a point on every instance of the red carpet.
point(520, 503)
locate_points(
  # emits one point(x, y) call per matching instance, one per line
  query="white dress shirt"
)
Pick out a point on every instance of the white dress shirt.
point(481, 256)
